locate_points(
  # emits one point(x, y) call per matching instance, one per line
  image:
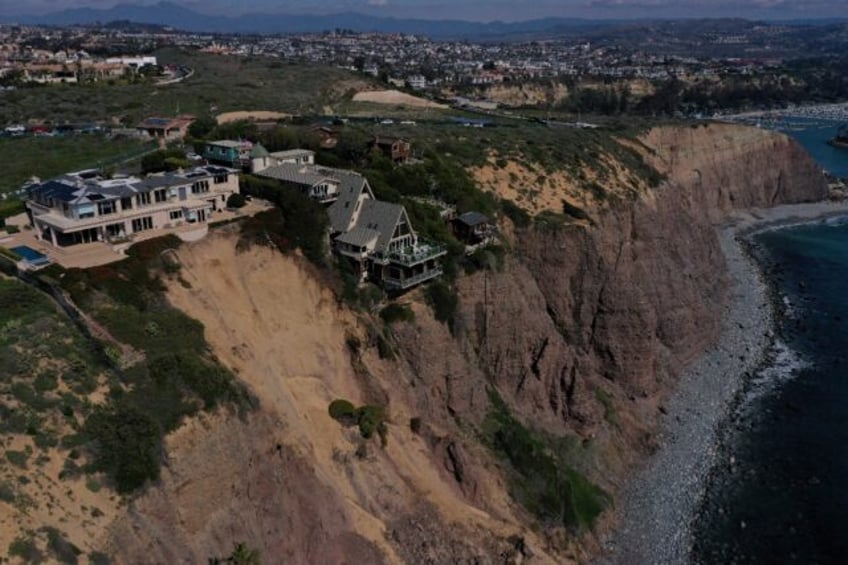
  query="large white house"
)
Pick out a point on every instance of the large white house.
point(84, 207)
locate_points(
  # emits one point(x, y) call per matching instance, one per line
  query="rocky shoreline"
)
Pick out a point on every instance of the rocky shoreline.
point(656, 513)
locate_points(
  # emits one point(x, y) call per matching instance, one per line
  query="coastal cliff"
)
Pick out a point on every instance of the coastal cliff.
point(582, 332)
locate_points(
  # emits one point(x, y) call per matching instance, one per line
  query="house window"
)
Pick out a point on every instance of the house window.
point(143, 198)
point(161, 195)
point(142, 224)
point(176, 214)
point(200, 187)
point(85, 211)
point(219, 179)
point(104, 208)
point(126, 204)
point(115, 230)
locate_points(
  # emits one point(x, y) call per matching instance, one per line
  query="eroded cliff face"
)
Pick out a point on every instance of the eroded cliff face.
point(582, 320)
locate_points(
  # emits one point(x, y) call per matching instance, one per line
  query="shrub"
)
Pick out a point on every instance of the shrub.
point(45, 381)
point(17, 458)
point(443, 301)
point(26, 549)
point(7, 493)
point(342, 410)
point(370, 418)
point(519, 217)
point(384, 347)
point(98, 558)
point(297, 222)
point(128, 444)
point(543, 482)
point(397, 313)
point(236, 200)
point(62, 549)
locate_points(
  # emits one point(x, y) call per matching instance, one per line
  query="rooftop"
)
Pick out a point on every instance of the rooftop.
point(292, 153)
point(84, 187)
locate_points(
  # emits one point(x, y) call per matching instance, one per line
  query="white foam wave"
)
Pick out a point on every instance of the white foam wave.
point(786, 365)
point(837, 221)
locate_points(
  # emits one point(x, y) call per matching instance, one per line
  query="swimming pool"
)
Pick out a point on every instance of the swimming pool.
point(31, 256)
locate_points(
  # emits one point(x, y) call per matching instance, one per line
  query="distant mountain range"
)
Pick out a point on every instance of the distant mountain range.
point(182, 18)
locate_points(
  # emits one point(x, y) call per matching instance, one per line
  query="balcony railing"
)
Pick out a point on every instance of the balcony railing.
point(420, 253)
point(392, 283)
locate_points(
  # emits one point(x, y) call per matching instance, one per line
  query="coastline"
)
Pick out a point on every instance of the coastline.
point(660, 503)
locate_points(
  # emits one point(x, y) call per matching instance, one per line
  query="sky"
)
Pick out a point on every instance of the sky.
point(483, 10)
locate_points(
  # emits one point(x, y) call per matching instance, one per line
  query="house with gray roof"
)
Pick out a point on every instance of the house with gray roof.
point(84, 207)
point(317, 184)
point(375, 237)
point(385, 246)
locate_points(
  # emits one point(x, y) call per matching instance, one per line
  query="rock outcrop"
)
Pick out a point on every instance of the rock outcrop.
point(581, 321)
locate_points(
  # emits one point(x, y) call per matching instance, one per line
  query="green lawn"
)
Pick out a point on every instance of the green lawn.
point(47, 157)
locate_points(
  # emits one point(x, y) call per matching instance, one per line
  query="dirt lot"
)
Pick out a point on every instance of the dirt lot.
point(394, 97)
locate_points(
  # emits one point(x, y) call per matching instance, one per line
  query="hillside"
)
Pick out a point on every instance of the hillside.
point(507, 430)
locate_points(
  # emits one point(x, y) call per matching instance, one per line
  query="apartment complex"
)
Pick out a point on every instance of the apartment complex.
point(84, 207)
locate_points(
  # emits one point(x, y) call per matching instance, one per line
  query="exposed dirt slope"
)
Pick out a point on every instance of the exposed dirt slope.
point(583, 333)
point(287, 480)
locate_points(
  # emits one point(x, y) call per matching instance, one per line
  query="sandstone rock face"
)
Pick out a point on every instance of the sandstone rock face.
point(624, 306)
point(581, 319)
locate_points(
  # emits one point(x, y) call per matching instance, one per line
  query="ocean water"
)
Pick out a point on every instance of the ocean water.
point(778, 492)
point(813, 135)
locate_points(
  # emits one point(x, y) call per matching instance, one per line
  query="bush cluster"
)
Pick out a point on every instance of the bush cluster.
point(177, 379)
point(370, 418)
point(395, 312)
point(296, 222)
point(444, 302)
point(543, 481)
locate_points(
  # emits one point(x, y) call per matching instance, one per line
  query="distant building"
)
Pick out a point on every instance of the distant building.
point(472, 228)
point(395, 148)
point(253, 157)
point(416, 82)
point(169, 129)
point(228, 152)
point(134, 61)
point(327, 137)
point(84, 207)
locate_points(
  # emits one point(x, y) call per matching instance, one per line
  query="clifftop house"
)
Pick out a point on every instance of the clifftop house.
point(375, 237)
point(84, 207)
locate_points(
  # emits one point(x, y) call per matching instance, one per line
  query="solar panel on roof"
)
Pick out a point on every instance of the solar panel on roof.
point(95, 196)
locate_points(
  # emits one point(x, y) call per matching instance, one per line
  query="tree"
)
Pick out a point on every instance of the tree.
point(201, 127)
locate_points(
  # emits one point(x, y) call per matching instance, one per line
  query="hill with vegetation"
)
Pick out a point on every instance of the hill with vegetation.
point(244, 392)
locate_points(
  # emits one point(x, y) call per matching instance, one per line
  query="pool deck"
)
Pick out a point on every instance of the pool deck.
point(88, 255)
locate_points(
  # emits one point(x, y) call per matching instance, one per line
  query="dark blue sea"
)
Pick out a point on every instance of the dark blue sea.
point(813, 135)
point(779, 490)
